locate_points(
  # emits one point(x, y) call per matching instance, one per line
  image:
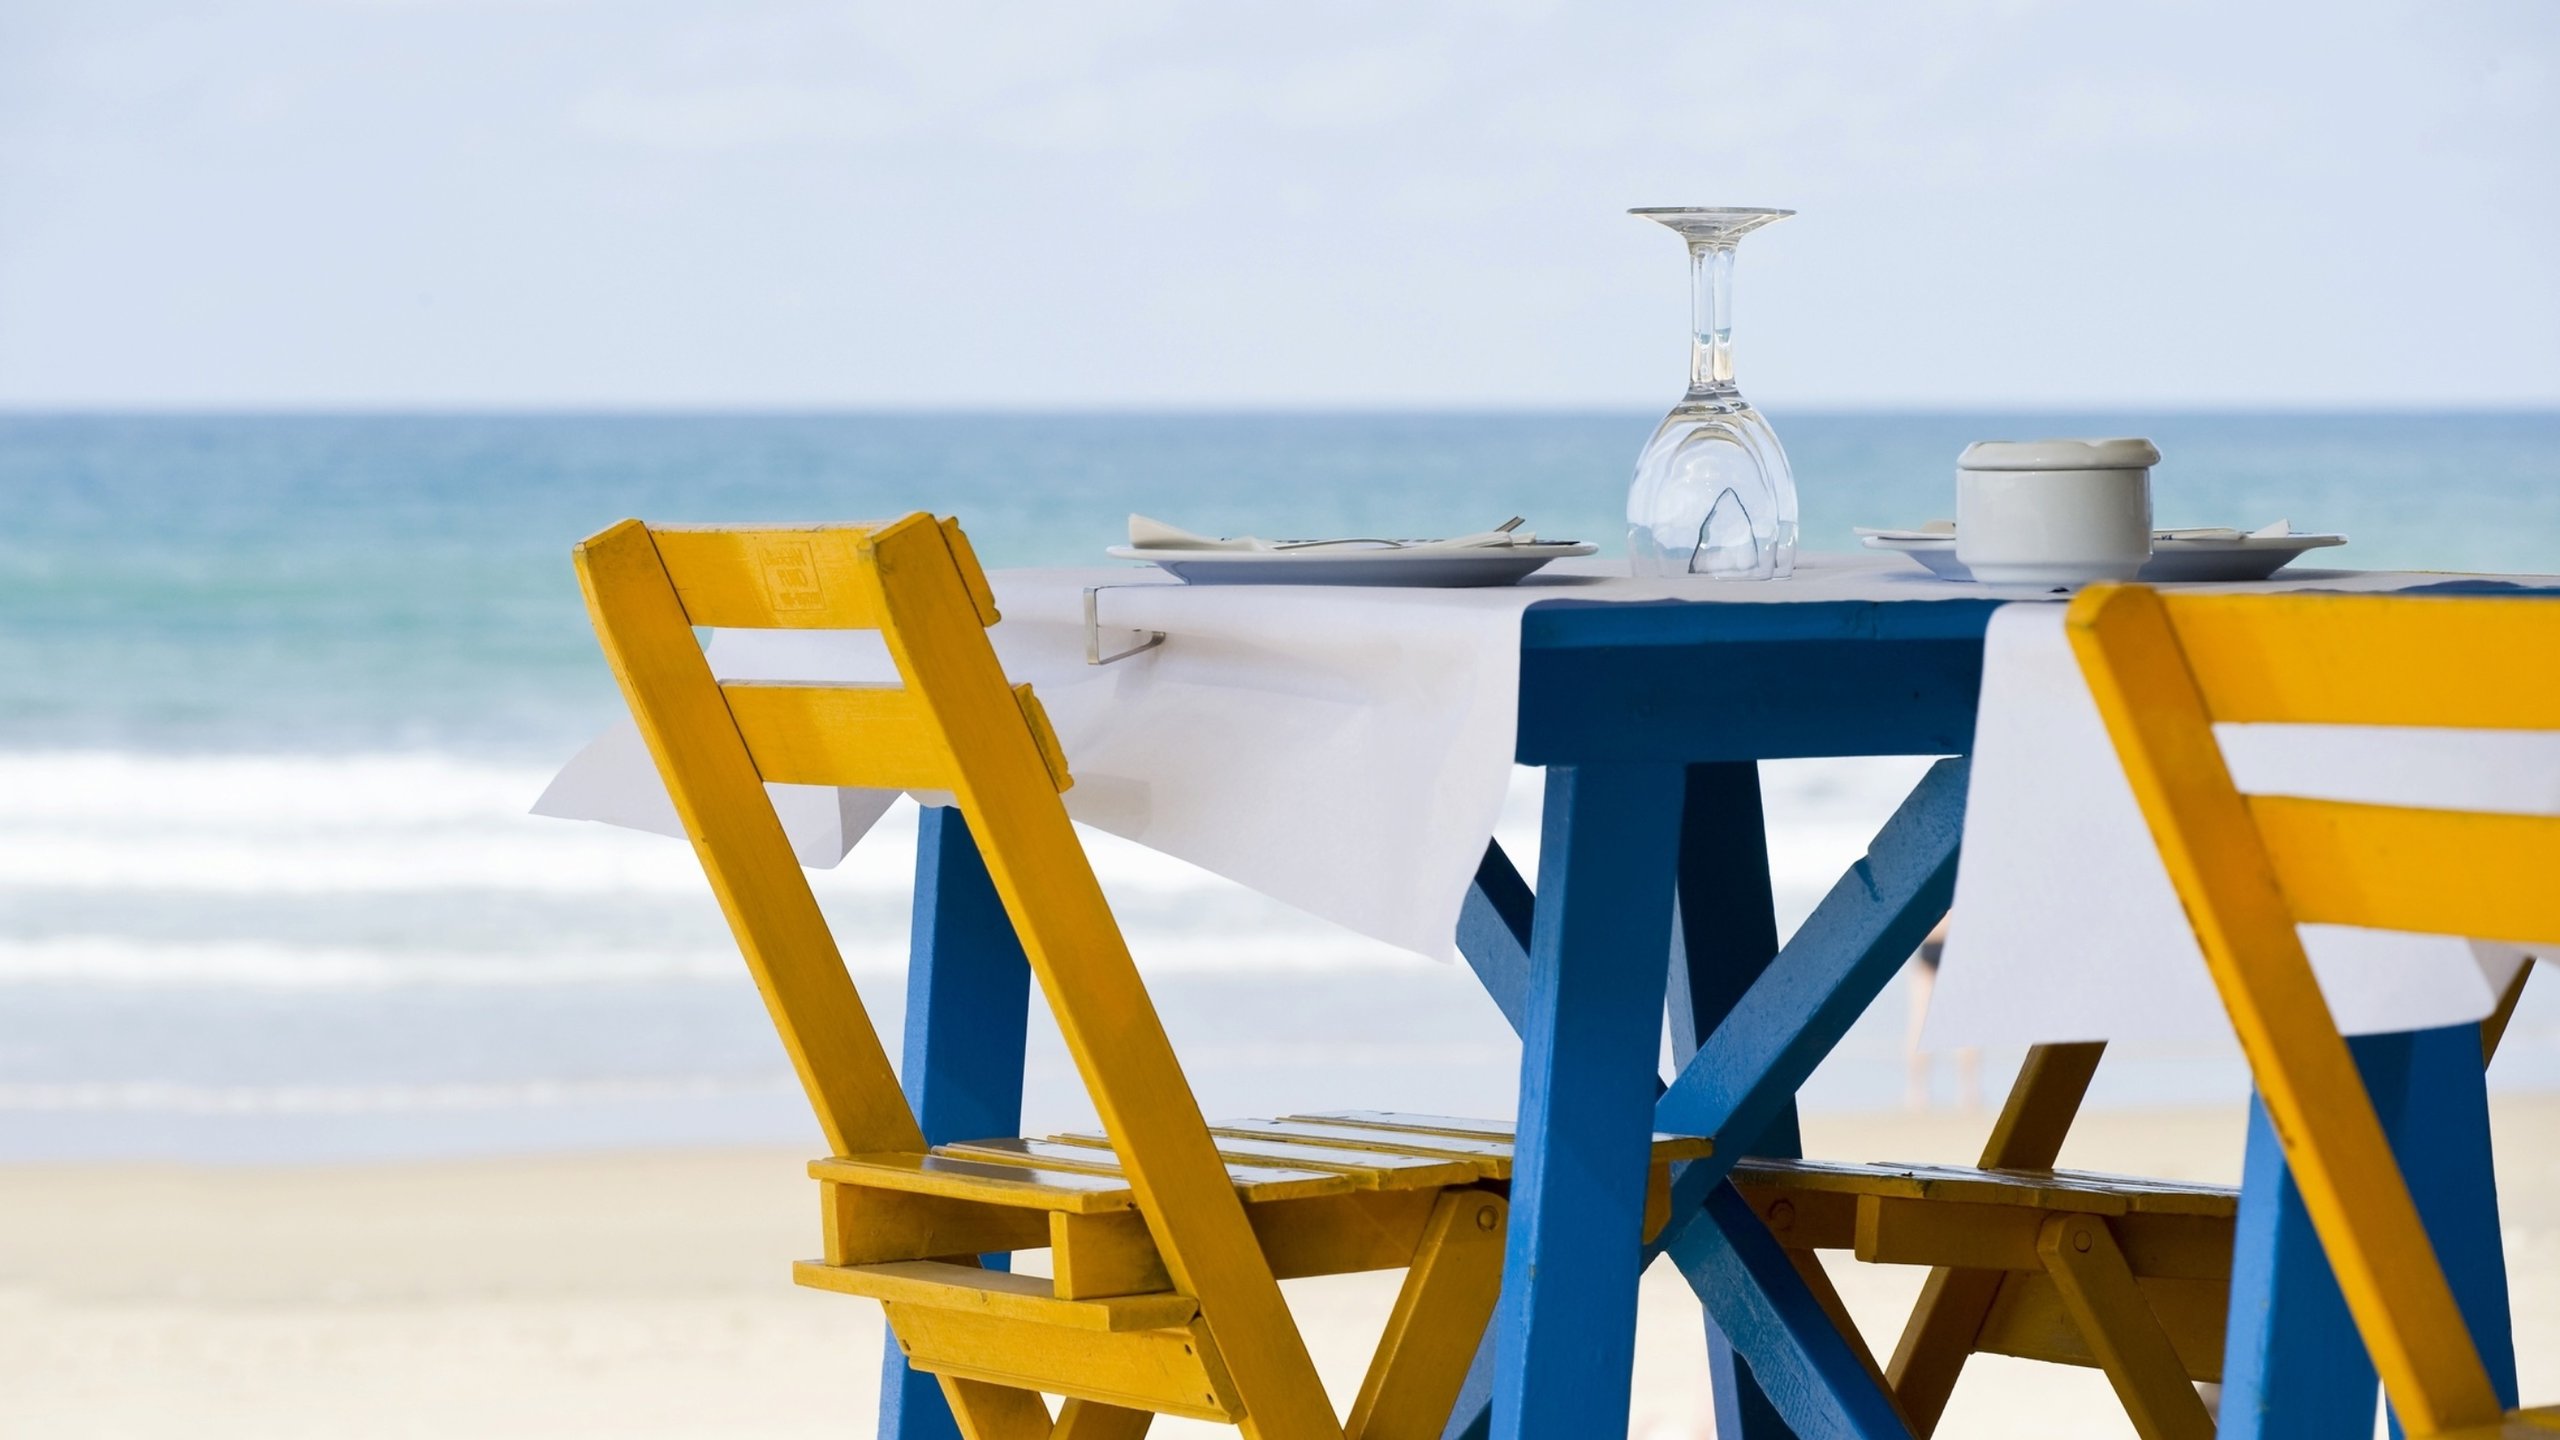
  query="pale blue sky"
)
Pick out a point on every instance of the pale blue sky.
point(1121, 203)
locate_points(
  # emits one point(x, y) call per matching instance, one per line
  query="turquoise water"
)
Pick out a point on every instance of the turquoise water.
point(275, 691)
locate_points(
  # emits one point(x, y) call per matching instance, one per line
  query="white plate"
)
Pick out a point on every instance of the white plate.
point(1355, 565)
point(2175, 559)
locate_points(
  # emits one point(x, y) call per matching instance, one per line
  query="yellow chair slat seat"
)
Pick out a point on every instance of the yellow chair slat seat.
point(1166, 1240)
point(2079, 1191)
point(1665, 1147)
point(2250, 869)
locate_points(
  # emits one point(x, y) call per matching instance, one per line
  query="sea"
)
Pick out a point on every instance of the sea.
point(276, 691)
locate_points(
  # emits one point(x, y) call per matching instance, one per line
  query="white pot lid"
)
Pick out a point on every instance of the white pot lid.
point(2119, 454)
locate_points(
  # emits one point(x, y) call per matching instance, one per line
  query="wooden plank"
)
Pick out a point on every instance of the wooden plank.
point(935, 1285)
point(1831, 968)
point(2349, 659)
point(2390, 867)
point(1491, 1158)
point(2109, 1308)
point(2163, 732)
point(1941, 1232)
point(1954, 1184)
point(1170, 1371)
point(1493, 932)
point(1256, 1183)
point(1363, 1169)
point(811, 577)
point(1810, 1372)
point(1093, 1420)
point(1110, 1026)
point(649, 642)
point(2030, 1321)
point(960, 1061)
point(1440, 1313)
point(839, 733)
point(1724, 934)
point(1665, 1147)
point(1091, 1256)
point(987, 1181)
point(1587, 1080)
point(2034, 1120)
point(1342, 1234)
point(978, 1410)
point(866, 1226)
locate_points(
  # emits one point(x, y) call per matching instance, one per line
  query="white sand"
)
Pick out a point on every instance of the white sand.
point(647, 1295)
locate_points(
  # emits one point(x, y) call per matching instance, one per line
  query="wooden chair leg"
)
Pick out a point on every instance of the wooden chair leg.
point(995, 1412)
point(1091, 1420)
point(1954, 1303)
point(1440, 1315)
point(2098, 1288)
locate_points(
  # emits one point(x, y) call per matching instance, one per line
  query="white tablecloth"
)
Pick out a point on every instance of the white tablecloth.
point(1347, 751)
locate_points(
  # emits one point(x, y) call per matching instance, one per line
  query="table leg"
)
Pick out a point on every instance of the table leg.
point(2293, 1364)
point(968, 1007)
point(1565, 1330)
point(1724, 874)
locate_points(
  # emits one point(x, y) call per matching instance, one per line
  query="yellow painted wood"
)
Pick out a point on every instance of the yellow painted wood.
point(648, 640)
point(1939, 1233)
point(2110, 1311)
point(995, 1412)
point(1439, 1317)
point(865, 736)
point(1945, 1329)
point(2371, 659)
point(1665, 1147)
point(2034, 1120)
point(1258, 1184)
point(1170, 1371)
point(1343, 1234)
point(2439, 872)
point(1802, 1219)
point(2078, 1190)
point(965, 1288)
point(1053, 756)
point(2029, 1321)
point(1004, 785)
point(1097, 1255)
point(990, 1181)
point(812, 577)
point(973, 577)
point(2494, 1029)
point(866, 1226)
point(2358, 1201)
point(1367, 1169)
point(1092, 1420)
point(1491, 1158)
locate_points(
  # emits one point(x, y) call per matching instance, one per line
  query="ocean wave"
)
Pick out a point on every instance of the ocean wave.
point(179, 1098)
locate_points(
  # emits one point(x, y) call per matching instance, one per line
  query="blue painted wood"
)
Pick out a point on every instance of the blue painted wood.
point(2440, 1135)
point(968, 1006)
point(1747, 1072)
point(1688, 682)
point(2294, 1367)
point(1566, 1322)
point(1724, 880)
point(1494, 931)
point(1801, 1360)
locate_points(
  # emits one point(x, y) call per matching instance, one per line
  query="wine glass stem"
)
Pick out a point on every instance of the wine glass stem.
point(1710, 316)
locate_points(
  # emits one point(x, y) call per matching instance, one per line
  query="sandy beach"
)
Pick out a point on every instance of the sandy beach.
point(646, 1295)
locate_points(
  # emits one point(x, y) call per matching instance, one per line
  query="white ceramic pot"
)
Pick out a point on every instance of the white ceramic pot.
point(2054, 512)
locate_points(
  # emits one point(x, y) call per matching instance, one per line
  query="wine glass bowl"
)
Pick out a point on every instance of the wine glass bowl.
point(1713, 493)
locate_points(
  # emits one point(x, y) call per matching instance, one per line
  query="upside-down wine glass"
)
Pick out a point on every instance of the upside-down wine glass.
point(1713, 494)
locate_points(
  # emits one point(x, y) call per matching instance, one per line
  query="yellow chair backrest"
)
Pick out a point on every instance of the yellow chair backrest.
point(954, 724)
point(2164, 670)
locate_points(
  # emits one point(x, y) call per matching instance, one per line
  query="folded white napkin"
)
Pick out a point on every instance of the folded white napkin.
point(1151, 534)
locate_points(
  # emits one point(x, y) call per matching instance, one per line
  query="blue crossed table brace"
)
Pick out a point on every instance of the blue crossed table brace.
point(1650, 720)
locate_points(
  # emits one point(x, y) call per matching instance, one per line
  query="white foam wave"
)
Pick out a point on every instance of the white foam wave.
point(169, 1097)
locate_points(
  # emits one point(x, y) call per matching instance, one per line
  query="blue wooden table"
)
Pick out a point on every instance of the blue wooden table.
point(1649, 720)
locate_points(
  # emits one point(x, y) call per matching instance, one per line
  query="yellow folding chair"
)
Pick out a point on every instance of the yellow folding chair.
point(1167, 1236)
point(2250, 868)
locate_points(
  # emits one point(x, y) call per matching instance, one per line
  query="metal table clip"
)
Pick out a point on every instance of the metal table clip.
point(1093, 631)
